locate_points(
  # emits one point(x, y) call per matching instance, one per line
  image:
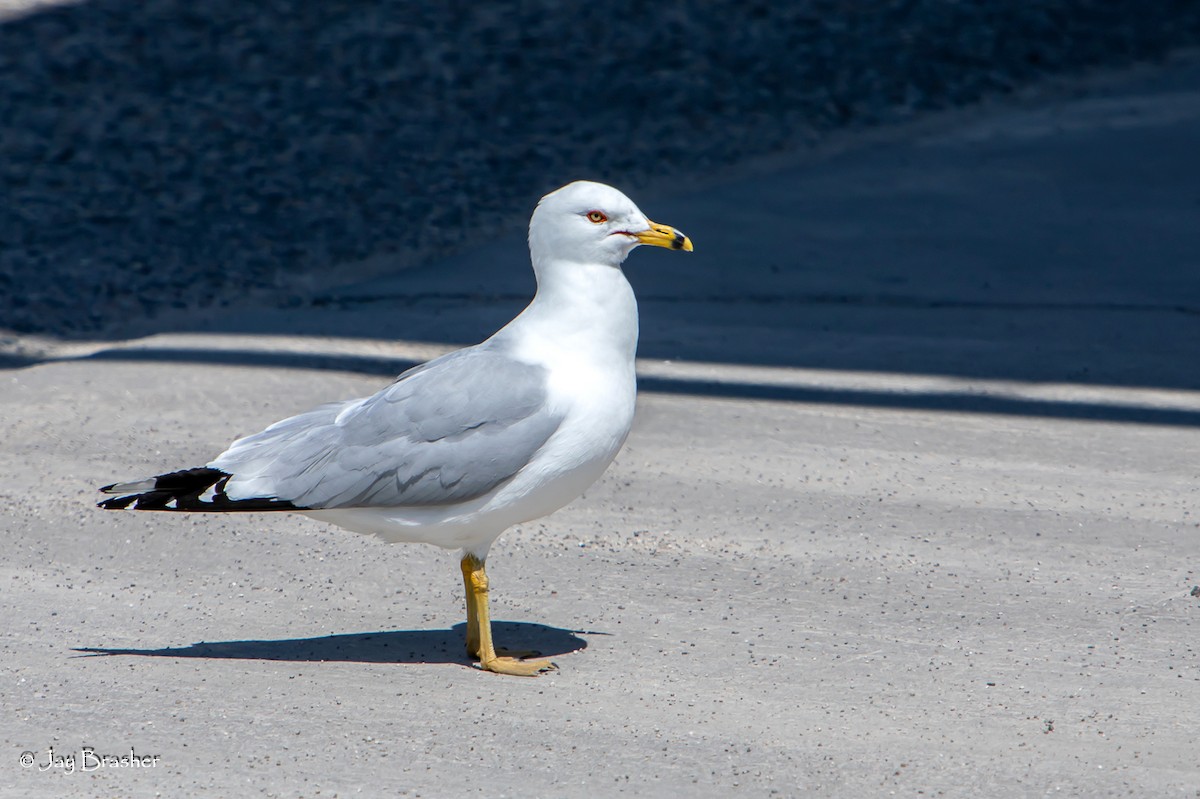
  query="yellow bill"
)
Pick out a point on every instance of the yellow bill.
point(664, 236)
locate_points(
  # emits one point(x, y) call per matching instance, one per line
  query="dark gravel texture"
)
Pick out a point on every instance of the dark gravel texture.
point(172, 154)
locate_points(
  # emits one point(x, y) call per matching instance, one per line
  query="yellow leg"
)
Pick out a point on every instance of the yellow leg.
point(479, 627)
point(472, 616)
point(473, 626)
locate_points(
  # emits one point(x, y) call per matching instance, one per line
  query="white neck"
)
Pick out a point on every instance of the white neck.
point(581, 310)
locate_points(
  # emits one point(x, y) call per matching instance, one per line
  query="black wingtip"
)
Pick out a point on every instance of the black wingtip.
point(182, 490)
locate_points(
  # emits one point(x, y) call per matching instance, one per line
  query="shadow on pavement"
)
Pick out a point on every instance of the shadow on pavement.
point(948, 401)
point(1035, 252)
point(1053, 243)
point(400, 646)
point(163, 154)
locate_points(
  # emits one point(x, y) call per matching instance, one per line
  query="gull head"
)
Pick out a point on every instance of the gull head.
point(586, 222)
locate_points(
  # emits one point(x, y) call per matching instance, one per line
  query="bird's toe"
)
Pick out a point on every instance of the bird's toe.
point(516, 666)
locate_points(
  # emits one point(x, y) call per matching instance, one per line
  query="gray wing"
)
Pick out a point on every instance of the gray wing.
point(447, 431)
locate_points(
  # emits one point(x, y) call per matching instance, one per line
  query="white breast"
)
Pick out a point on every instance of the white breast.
point(584, 332)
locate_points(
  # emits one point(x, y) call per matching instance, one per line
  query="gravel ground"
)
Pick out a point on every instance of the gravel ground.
point(167, 155)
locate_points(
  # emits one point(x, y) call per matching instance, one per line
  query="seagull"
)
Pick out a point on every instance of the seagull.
point(461, 448)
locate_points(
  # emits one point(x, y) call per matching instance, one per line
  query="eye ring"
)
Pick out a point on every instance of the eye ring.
point(597, 217)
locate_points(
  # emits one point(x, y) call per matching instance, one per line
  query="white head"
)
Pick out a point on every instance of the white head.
point(585, 222)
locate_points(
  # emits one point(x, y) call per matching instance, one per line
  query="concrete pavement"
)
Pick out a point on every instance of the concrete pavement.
point(909, 508)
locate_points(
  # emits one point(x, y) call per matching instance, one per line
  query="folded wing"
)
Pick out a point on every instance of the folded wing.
point(445, 432)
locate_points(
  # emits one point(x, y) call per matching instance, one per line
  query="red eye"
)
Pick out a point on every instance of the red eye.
point(597, 217)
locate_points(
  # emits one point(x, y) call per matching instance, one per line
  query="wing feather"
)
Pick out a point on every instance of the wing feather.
point(444, 432)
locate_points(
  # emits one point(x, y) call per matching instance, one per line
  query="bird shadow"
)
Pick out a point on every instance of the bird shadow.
point(397, 646)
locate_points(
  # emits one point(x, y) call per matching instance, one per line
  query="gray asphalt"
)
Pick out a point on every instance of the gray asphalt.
point(909, 507)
